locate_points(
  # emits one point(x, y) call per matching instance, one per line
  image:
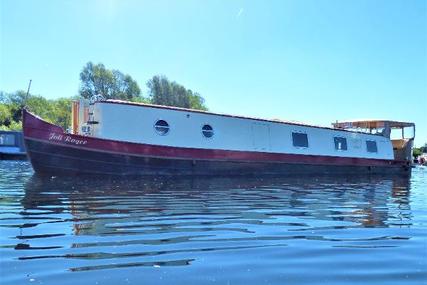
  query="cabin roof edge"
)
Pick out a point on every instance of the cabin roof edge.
point(280, 121)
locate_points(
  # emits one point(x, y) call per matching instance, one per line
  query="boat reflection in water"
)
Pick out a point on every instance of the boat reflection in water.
point(173, 222)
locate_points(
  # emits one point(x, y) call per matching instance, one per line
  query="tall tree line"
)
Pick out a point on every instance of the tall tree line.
point(96, 79)
point(56, 111)
point(164, 92)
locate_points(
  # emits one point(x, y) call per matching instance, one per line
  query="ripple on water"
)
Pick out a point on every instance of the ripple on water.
point(222, 230)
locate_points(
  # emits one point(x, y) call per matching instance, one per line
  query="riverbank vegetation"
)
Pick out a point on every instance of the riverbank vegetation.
point(417, 151)
point(96, 79)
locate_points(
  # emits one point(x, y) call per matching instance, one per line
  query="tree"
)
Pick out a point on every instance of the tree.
point(15, 102)
point(164, 92)
point(57, 111)
point(61, 112)
point(416, 152)
point(5, 114)
point(197, 101)
point(95, 79)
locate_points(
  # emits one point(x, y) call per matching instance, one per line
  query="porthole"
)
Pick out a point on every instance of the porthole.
point(207, 131)
point(161, 127)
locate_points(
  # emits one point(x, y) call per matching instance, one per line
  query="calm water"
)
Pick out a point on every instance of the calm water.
point(220, 231)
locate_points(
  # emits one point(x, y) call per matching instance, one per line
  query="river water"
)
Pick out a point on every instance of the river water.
point(212, 230)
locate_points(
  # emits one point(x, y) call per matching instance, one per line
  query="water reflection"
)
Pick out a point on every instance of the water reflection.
point(212, 228)
point(219, 214)
point(97, 204)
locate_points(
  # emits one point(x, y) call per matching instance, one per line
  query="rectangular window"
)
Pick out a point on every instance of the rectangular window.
point(371, 146)
point(300, 139)
point(7, 139)
point(340, 143)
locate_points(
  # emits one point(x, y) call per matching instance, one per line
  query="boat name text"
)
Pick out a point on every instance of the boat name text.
point(66, 139)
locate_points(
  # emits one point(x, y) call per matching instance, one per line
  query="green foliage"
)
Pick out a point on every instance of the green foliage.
point(164, 92)
point(197, 102)
point(95, 79)
point(416, 152)
point(56, 111)
point(5, 114)
point(61, 110)
point(142, 100)
point(13, 126)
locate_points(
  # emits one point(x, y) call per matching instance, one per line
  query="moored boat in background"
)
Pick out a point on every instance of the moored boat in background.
point(12, 146)
point(123, 138)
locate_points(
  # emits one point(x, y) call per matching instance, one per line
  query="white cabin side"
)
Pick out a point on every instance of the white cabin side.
point(135, 123)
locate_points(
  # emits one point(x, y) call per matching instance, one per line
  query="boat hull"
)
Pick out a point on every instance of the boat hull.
point(53, 152)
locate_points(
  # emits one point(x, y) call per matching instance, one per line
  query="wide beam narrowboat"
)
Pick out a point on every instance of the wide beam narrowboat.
point(111, 137)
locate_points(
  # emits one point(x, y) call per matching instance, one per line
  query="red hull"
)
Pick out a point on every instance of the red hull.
point(53, 151)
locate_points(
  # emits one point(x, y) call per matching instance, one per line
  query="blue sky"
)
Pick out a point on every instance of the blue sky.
point(311, 61)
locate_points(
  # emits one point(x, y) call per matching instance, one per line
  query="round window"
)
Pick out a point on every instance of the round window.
point(161, 127)
point(207, 131)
